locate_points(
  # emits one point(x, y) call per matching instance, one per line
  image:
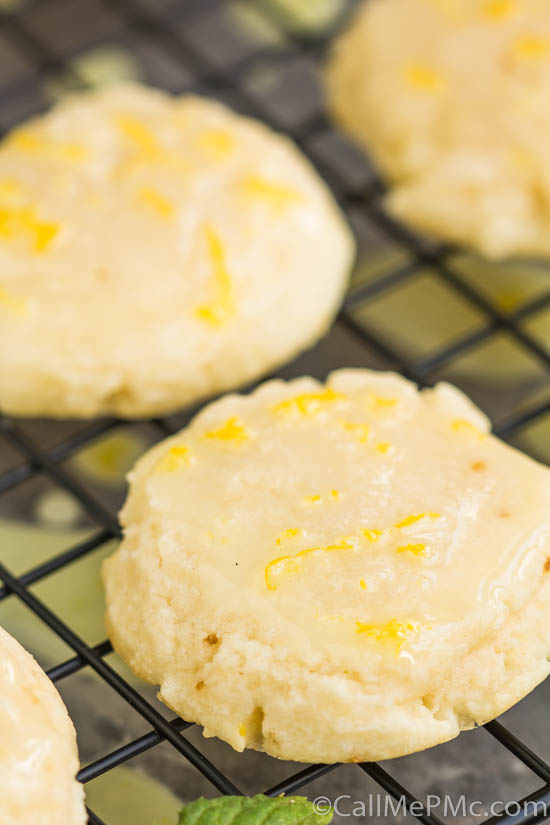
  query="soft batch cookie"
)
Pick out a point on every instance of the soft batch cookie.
point(154, 250)
point(335, 572)
point(451, 99)
point(38, 757)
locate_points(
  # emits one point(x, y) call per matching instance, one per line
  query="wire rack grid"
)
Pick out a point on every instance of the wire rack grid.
point(31, 49)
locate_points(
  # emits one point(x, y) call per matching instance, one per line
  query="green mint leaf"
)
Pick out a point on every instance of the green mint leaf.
point(254, 810)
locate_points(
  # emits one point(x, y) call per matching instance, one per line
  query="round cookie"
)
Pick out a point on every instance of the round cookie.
point(38, 756)
point(154, 250)
point(451, 99)
point(340, 572)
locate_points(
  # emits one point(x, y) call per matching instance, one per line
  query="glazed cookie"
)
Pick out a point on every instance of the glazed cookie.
point(451, 99)
point(339, 572)
point(154, 250)
point(38, 757)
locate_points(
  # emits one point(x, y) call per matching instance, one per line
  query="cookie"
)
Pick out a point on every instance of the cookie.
point(450, 97)
point(154, 250)
point(331, 572)
point(38, 756)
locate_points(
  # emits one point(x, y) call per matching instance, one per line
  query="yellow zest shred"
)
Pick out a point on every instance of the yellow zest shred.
point(361, 430)
point(423, 78)
point(26, 141)
point(232, 430)
point(362, 584)
point(138, 134)
point(23, 220)
point(383, 447)
point(290, 533)
point(276, 195)
point(416, 517)
point(43, 231)
point(531, 45)
point(223, 306)
point(173, 460)
point(158, 202)
point(147, 149)
point(371, 534)
point(282, 564)
point(242, 730)
point(394, 631)
point(336, 494)
point(380, 401)
point(12, 302)
point(312, 499)
point(415, 549)
point(218, 142)
point(343, 544)
point(460, 425)
point(497, 9)
point(309, 403)
point(294, 564)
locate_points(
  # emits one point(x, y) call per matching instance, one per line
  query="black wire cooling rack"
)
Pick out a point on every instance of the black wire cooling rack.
point(179, 41)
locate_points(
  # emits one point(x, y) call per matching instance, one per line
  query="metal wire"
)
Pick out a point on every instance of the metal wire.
point(158, 27)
